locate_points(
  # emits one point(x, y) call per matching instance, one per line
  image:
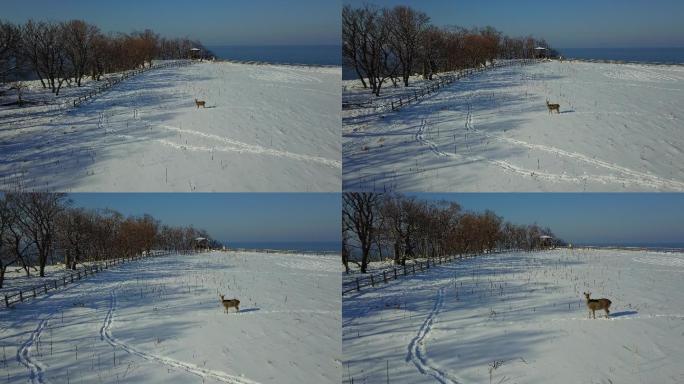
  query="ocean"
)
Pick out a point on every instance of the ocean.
point(282, 54)
point(678, 246)
point(311, 246)
point(641, 55)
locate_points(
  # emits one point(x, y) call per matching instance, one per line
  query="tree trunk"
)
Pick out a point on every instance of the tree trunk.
point(67, 259)
point(358, 73)
point(397, 253)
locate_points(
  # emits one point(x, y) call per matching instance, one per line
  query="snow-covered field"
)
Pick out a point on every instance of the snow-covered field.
point(521, 318)
point(265, 128)
point(160, 321)
point(619, 129)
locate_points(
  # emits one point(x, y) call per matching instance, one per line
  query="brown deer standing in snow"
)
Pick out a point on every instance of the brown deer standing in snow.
point(230, 303)
point(552, 107)
point(199, 103)
point(597, 304)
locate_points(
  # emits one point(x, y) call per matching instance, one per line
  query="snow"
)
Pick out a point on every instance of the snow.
point(619, 129)
point(160, 320)
point(265, 128)
point(522, 317)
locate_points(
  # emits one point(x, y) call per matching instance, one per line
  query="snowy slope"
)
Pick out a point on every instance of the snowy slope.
point(265, 128)
point(160, 321)
point(620, 129)
point(523, 316)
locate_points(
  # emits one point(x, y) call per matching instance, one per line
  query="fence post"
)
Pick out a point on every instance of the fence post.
point(358, 286)
point(55, 283)
point(395, 272)
point(384, 276)
point(34, 293)
point(21, 296)
point(6, 301)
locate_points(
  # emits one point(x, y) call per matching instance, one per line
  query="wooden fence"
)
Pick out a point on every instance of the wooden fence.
point(445, 80)
point(110, 82)
point(389, 274)
point(37, 290)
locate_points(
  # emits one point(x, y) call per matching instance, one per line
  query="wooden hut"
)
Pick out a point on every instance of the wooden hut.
point(547, 242)
point(201, 243)
point(195, 53)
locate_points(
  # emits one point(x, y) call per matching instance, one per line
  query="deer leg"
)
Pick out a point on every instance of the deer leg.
point(593, 312)
point(607, 313)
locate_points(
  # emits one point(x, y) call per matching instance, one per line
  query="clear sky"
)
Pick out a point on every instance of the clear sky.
point(617, 218)
point(214, 22)
point(234, 217)
point(564, 24)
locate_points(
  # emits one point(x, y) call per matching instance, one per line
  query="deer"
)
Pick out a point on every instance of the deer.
point(597, 304)
point(552, 107)
point(199, 103)
point(230, 303)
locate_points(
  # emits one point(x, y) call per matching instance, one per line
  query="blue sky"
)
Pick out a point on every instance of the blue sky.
point(234, 217)
point(617, 218)
point(214, 22)
point(564, 24)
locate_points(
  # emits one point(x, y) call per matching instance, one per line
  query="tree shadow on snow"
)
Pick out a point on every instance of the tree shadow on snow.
point(62, 149)
point(442, 116)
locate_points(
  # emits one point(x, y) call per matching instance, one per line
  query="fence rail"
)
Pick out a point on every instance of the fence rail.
point(110, 82)
point(25, 294)
point(445, 80)
point(394, 273)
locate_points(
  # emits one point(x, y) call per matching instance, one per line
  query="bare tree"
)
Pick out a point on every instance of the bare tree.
point(43, 46)
point(79, 39)
point(10, 38)
point(366, 45)
point(359, 212)
point(37, 216)
point(73, 226)
point(6, 255)
point(345, 252)
point(352, 41)
point(405, 26)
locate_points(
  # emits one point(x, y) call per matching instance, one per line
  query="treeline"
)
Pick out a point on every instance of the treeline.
point(38, 228)
point(392, 44)
point(404, 228)
point(66, 52)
